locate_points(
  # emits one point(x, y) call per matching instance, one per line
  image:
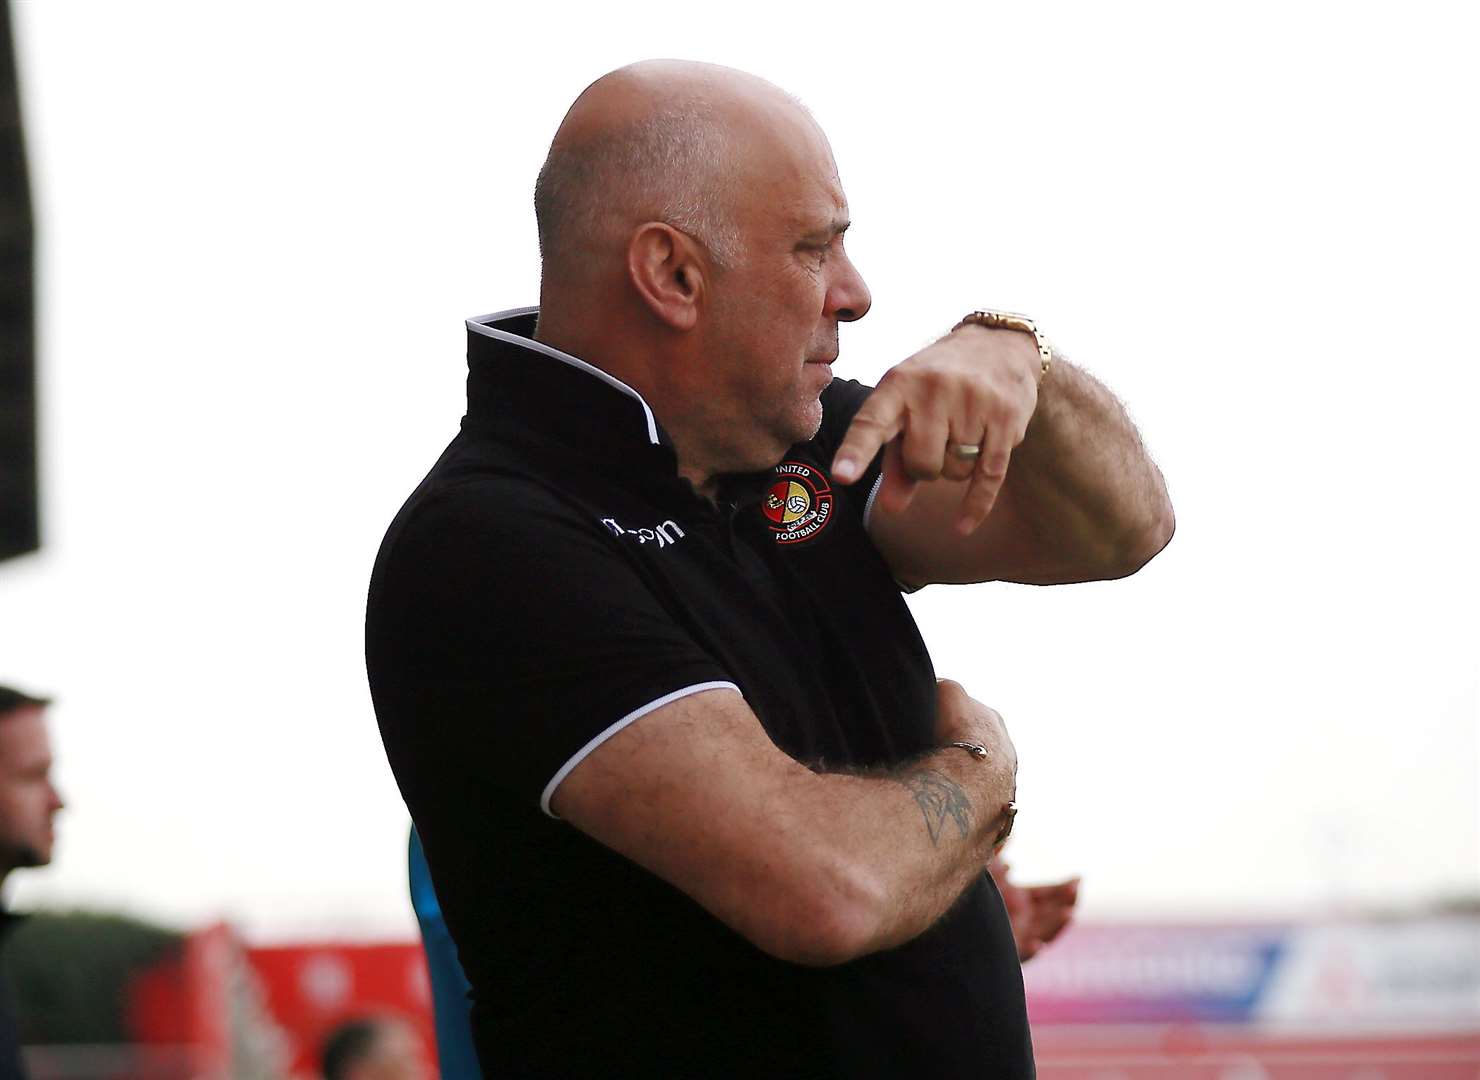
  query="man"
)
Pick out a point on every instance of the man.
point(28, 803)
point(374, 1048)
point(693, 800)
point(28, 798)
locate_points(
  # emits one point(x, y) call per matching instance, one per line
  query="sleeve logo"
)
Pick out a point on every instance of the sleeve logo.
point(798, 503)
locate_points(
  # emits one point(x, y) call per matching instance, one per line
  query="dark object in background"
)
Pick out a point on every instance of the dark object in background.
point(19, 519)
point(69, 974)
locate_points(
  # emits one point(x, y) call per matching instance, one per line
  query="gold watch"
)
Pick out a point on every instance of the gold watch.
point(1007, 320)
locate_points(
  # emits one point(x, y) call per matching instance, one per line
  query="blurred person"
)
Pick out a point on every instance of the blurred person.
point(375, 1048)
point(1039, 913)
point(692, 797)
point(29, 801)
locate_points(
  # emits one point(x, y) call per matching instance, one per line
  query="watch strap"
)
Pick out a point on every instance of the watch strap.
point(1008, 320)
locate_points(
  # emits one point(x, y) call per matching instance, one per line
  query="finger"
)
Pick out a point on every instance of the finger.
point(991, 471)
point(923, 445)
point(956, 467)
point(897, 490)
point(877, 422)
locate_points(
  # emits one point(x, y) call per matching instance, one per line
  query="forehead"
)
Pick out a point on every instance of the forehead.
point(792, 178)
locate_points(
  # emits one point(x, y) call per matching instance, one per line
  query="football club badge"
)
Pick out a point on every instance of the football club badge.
point(798, 503)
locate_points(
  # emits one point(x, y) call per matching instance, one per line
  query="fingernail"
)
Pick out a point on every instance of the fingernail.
point(845, 469)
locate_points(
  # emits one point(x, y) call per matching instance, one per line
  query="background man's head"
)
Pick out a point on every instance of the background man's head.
point(694, 214)
point(375, 1048)
point(28, 798)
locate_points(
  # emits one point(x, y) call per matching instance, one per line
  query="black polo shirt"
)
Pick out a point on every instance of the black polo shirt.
point(553, 580)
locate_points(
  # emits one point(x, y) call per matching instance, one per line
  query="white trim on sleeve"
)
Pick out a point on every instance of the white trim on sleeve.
point(636, 714)
point(868, 507)
point(868, 512)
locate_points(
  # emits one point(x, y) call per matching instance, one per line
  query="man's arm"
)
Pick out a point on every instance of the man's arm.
point(814, 868)
point(1082, 500)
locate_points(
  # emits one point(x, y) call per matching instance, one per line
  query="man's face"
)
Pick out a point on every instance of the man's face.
point(28, 799)
point(773, 323)
point(397, 1055)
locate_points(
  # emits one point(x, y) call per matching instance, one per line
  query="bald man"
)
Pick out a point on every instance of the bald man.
point(693, 799)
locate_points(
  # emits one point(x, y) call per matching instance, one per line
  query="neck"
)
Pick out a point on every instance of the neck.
point(664, 371)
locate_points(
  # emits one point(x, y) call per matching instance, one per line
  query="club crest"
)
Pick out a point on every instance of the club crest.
point(798, 504)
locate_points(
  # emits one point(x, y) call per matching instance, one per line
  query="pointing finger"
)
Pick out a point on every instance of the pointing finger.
point(878, 421)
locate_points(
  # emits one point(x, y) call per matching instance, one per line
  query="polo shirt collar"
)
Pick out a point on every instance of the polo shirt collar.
point(516, 382)
point(522, 388)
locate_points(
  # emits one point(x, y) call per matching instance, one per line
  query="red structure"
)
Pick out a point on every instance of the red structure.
point(309, 989)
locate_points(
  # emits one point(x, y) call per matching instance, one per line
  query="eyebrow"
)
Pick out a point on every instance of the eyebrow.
point(836, 227)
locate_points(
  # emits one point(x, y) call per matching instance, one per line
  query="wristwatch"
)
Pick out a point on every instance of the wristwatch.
point(1007, 320)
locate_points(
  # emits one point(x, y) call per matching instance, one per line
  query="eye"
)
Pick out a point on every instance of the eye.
point(817, 252)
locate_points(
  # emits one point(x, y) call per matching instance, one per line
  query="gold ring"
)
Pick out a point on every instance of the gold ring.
point(966, 451)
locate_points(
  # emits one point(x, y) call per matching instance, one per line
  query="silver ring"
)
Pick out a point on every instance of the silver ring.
point(966, 451)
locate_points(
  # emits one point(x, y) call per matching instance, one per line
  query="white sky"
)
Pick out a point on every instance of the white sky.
point(263, 224)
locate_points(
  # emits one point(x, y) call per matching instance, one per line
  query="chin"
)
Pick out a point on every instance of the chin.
point(810, 422)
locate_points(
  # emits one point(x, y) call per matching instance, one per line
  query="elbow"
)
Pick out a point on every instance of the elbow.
point(830, 919)
point(1142, 542)
point(1140, 539)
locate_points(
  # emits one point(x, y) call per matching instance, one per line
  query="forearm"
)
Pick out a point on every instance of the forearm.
point(1082, 481)
point(1054, 485)
point(915, 837)
point(812, 867)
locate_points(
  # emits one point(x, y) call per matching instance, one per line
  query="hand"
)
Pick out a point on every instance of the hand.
point(1038, 912)
point(959, 716)
point(976, 386)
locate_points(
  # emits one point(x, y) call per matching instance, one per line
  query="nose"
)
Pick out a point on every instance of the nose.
point(848, 298)
point(55, 802)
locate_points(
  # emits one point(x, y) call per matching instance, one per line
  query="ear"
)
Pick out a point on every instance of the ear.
point(664, 267)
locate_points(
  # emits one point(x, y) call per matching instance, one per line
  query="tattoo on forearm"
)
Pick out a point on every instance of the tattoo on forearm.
point(939, 798)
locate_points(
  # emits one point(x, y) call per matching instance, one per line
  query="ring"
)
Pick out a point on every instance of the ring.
point(966, 451)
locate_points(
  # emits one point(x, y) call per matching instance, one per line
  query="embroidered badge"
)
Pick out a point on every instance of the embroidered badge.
point(798, 504)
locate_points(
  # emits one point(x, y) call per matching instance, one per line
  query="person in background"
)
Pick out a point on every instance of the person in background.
point(28, 798)
point(1038, 913)
point(375, 1048)
point(29, 802)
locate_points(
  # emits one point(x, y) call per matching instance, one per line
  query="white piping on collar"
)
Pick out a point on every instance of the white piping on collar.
point(479, 325)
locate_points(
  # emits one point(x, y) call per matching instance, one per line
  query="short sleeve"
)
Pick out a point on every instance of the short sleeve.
point(503, 630)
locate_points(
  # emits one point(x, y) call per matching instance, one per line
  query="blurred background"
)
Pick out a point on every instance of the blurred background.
point(258, 228)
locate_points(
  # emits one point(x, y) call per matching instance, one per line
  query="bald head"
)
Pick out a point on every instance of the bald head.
point(662, 140)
